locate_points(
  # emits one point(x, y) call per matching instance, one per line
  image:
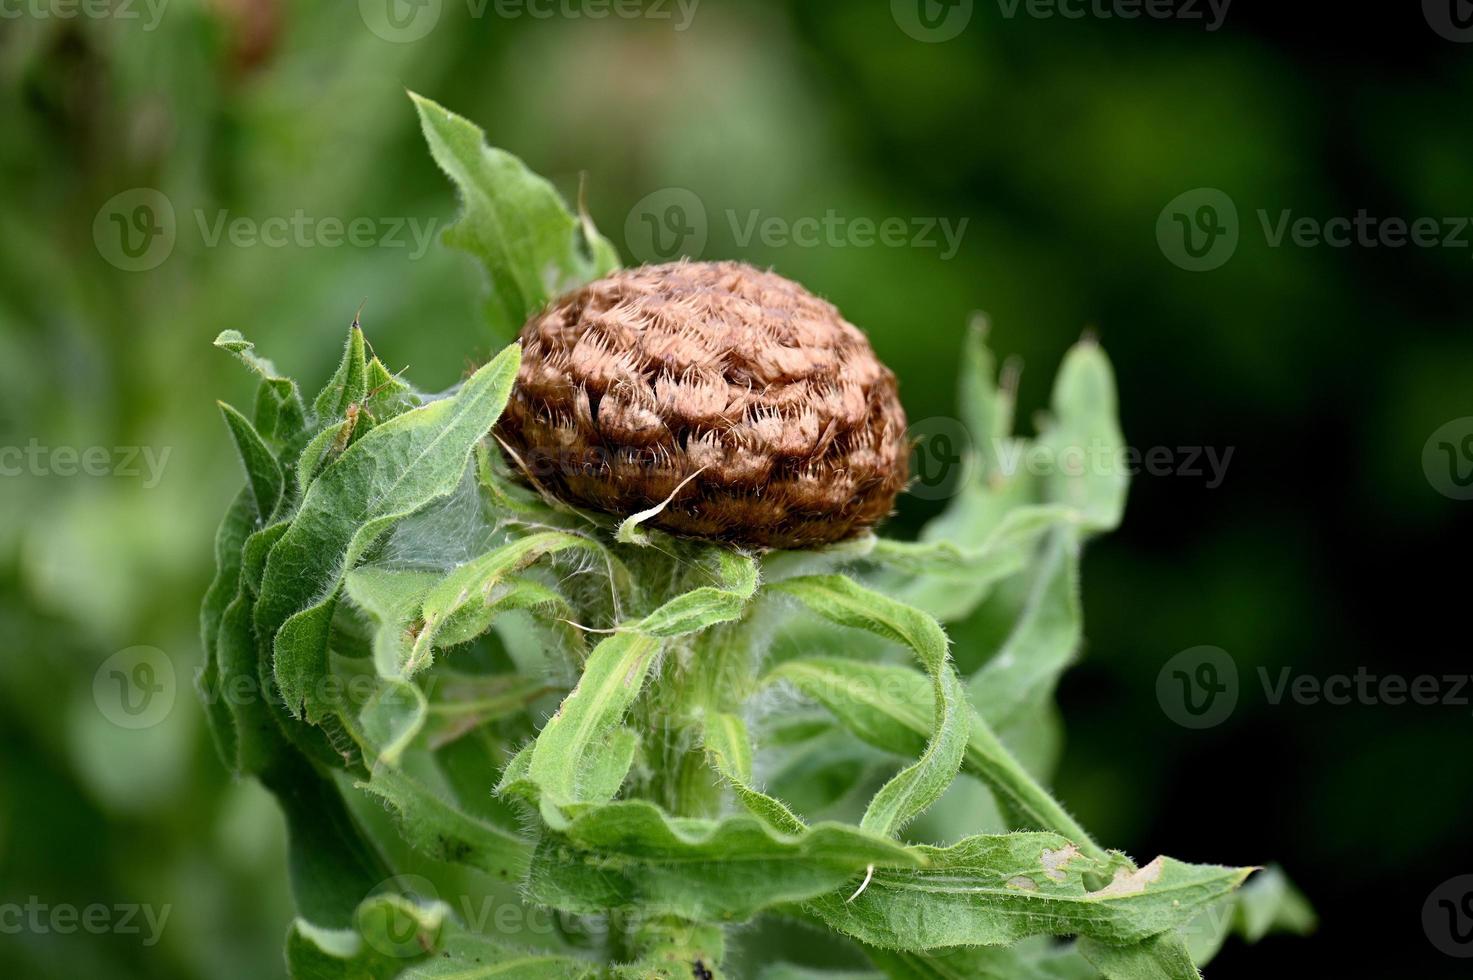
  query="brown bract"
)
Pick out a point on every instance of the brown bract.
point(628, 386)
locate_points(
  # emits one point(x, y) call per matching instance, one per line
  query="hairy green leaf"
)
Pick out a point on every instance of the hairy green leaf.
point(913, 789)
point(393, 471)
point(513, 221)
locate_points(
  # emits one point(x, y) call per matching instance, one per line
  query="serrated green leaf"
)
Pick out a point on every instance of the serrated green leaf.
point(630, 855)
point(393, 471)
point(913, 789)
point(996, 890)
point(513, 221)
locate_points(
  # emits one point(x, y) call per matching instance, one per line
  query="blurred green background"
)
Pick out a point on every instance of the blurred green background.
point(1059, 141)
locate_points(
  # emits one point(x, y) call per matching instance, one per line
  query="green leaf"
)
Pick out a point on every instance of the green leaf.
point(730, 750)
point(263, 473)
point(333, 866)
point(1023, 961)
point(239, 522)
point(393, 471)
point(995, 890)
point(279, 415)
point(1089, 474)
point(513, 221)
point(846, 603)
point(467, 956)
point(1024, 672)
point(707, 605)
point(562, 765)
point(390, 933)
point(890, 708)
point(462, 605)
point(630, 855)
point(349, 384)
point(1160, 957)
point(439, 829)
point(1269, 902)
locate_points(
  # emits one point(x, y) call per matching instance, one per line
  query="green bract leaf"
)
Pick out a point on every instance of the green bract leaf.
point(390, 473)
point(513, 221)
point(263, 474)
point(995, 890)
point(629, 855)
point(349, 384)
point(891, 708)
point(279, 414)
point(916, 787)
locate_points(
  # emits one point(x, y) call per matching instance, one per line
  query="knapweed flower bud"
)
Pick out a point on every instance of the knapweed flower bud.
point(772, 401)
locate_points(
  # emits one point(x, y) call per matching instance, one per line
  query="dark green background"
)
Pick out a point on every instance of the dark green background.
point(1060, 141)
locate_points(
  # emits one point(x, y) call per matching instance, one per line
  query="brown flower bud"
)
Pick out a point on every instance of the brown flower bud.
point(792, 427)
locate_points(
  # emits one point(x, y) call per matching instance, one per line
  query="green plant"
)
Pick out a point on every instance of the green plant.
point(395, 614)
